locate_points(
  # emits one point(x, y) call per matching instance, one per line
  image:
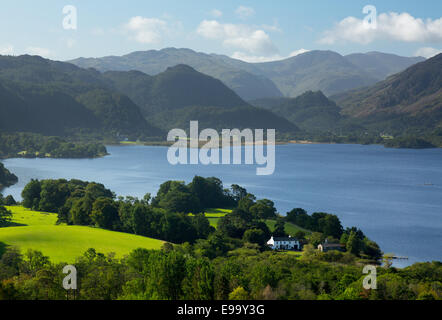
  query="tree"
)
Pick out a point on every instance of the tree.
point(299, 217)
point(238, 192)
point(81, 211)
point(31, 194)
point(235, 223)
point(279, 228)
point(210, 192)
point(263, 209)
point(300, 235)
point(239, 294)
point(255, 236)
point(105, 214)
point(354, 244)
point(316, 238)
point(175, 196)
point(246, 202)
point(330, 225)
point(202, 226)
point(5, 217)
point(10, 201)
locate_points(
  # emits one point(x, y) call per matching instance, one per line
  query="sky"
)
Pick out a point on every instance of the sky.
point(254, 31)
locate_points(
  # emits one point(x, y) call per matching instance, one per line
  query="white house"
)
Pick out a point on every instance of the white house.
point(284, 243)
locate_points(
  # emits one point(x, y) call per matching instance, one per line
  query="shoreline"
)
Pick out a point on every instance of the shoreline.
point(203, 144)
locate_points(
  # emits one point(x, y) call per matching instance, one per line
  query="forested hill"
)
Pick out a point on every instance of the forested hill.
point(180, 94)
point(177, 87)
point(6, 178)
point(410, 100)
point(311, 111)
point(55, 98)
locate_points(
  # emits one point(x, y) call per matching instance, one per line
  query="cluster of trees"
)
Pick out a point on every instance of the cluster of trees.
point(7, 201)
point(179, 272)
point(328, 226)
point(6, 177)
point(175, 214)
point(325, 223)
point(29, 145)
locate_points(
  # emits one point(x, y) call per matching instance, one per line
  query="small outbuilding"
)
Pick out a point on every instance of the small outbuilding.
point(325, 247)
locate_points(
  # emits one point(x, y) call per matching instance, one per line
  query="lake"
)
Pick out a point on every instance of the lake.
point(393, 195)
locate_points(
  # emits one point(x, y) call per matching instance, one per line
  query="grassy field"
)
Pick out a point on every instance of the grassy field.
point(215, 214)
point(290, 228)
point(62, 243)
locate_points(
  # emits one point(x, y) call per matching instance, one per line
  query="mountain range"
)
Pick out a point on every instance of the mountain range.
point(408, 101)
point(56, 98)
point(60, 98)
point(326, 71)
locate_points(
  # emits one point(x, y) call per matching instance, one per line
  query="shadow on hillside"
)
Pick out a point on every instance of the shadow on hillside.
point(3, 247)
point(15, 224)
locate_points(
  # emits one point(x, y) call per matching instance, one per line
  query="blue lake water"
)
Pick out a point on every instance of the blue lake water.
point(393, 195)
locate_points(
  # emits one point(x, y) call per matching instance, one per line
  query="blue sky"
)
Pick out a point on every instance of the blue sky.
point(250, 30)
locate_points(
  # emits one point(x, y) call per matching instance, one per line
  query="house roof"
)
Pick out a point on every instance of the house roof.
point(330, 245)
point(284, 239)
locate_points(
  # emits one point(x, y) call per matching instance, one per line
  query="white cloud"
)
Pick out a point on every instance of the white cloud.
point(216, 13)
point(146, 30)
point(427, 52)
point(37, 51)
point(255, 59)
point(7, 50)
point(390, 26)
point(251, 40)
point(298, 52)
point(245, 12)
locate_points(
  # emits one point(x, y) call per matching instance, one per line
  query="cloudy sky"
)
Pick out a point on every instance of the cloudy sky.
point(259, 30)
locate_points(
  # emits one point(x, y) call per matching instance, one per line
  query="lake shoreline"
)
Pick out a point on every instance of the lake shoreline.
point(203, 144)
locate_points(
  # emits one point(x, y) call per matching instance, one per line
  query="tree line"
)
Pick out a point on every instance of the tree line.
point(30, 145)
point(179, 272)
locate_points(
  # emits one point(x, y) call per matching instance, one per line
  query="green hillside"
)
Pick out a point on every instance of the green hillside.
point(180, 94)
point(179, 86)
point(381, 65)
point(62, 243)
point(55, 98)
point(311, 111)
point(408, 101)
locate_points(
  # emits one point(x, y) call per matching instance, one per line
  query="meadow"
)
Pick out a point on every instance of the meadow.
point(62, 243)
